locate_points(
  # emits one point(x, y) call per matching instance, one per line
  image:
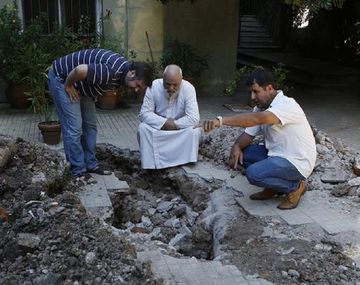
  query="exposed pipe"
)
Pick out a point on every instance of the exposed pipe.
point(148, 42)
point(126, 36)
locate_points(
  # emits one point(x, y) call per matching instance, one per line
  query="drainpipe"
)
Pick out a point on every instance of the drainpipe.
point(19, 4)
point(99, 18)
point(60, 16)
point(126, 36)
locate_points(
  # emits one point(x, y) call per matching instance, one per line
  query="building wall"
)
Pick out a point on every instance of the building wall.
point(132, 19)
point(212, 28)
point(209, 26)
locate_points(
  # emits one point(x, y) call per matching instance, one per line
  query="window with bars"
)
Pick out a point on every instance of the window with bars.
point(69, 13)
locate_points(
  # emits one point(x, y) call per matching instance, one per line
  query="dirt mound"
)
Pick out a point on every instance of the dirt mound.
point(46, 236)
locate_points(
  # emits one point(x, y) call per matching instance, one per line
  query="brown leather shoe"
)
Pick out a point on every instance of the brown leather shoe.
point(266, 194)
point(292, 199)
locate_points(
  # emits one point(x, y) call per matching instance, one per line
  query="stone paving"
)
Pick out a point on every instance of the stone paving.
point(117, 127)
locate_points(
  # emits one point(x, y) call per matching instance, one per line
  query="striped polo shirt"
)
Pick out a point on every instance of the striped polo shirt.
point(106, 70)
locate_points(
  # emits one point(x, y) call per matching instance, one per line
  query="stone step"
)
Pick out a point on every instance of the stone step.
point(252, 29)
point(254, 47)
point(253, 35)
point(254, 39)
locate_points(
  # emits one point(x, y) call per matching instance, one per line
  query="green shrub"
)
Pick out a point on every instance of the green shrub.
point(279, 72)
point(185, 56)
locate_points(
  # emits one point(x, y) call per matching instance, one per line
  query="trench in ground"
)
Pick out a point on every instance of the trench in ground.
point(165, 204)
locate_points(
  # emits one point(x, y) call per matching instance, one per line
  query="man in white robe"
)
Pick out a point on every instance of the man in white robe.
point(169, 112)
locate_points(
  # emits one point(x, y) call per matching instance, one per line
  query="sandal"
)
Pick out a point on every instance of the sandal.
point(99, 170)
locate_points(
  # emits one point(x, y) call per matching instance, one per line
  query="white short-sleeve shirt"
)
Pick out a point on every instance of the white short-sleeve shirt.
point(292, 138)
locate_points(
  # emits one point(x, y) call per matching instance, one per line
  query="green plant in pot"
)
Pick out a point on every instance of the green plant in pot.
point(13, 68)
point(114, 42)
point(41, 100)
point(185, 56)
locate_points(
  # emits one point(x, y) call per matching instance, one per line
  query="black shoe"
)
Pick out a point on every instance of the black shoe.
point(86, 179)
point(99, 170)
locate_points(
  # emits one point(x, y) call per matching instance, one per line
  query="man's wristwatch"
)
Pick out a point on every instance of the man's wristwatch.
point(220, 120)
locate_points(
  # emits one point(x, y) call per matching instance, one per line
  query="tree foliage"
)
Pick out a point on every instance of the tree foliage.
point(316, 5)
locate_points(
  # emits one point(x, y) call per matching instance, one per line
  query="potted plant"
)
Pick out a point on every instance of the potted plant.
point(112, 98)
point(41, 104)
point(185, 56)
point(13, 67)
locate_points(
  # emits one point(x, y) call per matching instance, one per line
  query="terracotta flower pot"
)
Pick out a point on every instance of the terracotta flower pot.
point(109, 100)
point(16, 96)
point(50, 131)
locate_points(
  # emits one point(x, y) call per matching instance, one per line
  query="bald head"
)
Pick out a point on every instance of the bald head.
point(172, 78)
point(173, 71)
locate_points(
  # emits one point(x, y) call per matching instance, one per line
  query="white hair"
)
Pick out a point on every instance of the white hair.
point(172, 65)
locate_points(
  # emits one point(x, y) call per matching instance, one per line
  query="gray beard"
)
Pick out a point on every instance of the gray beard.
point(172, 95)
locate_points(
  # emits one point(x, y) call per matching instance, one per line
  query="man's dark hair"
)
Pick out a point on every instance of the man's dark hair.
point(262, 77)
point(143, 72)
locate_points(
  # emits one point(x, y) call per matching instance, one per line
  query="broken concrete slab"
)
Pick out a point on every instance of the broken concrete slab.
point(96, 201)
point(112, 183)
point(189, 271)
point(334, 176)
point(206, 171)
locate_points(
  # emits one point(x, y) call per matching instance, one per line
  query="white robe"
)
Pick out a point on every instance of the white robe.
point(162, 148)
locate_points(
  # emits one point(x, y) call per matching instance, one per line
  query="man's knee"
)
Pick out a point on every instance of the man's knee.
point(142, 127)
point(252, 175)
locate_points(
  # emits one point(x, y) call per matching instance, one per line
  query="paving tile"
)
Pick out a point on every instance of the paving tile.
point(111, 183)
point(206, 171)
point(256, 208)
point(294, 217)
point(95, 195)
point(334, 176)
point(336, 226)
point(233, 271)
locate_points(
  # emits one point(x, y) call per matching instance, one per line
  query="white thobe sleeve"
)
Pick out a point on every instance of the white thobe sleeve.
point(147, 113)
point(192, 116)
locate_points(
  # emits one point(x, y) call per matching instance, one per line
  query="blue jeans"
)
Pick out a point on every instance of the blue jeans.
point(270, 171)
point(78, 126)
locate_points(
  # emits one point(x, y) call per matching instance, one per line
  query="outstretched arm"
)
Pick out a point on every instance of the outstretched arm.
point(243, 120)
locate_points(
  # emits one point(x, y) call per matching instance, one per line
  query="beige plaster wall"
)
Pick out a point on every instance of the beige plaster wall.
point(132, 19)
point(212, 28)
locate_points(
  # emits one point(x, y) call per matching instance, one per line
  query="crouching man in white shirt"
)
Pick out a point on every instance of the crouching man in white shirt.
point(169, 112)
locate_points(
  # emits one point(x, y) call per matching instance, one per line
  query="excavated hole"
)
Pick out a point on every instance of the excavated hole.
point(160, 203)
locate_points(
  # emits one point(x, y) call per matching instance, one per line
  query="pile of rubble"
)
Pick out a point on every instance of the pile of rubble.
point(336, 170)
point(49, 238)
point(46, 236)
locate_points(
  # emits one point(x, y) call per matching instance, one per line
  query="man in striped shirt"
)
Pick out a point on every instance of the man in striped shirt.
point(75, 81)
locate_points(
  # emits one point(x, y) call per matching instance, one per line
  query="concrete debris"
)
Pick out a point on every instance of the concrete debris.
point(165, 206)
point(176, 213)
point(28, 241)
point(293, 273)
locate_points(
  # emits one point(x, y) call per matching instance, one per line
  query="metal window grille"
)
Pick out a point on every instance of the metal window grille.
point(67, 13)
